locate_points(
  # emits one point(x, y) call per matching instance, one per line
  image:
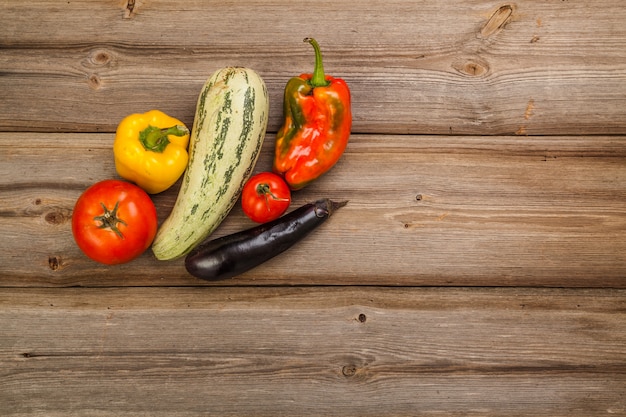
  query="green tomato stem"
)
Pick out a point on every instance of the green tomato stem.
point(109, 220)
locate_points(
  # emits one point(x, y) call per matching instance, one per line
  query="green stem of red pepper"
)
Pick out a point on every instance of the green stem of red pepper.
point(319, 78)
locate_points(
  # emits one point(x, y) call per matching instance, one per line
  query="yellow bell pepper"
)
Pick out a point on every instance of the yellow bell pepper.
point(150, 150)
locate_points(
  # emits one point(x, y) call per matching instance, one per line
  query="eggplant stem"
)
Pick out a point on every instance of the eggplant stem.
point(335, 205)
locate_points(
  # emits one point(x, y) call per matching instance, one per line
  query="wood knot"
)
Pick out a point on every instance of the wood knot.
point(349, 371)
point(100, 57)
point(497, 21)
point(472, 67)
point(55, 218)
point(55, 263)
point(130, 8)
point(94, 82)
point(362, 318)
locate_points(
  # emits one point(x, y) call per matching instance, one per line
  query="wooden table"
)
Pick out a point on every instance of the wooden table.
point(479, 268)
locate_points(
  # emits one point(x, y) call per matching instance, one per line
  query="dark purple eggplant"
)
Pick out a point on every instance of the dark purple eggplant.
point(239, 252)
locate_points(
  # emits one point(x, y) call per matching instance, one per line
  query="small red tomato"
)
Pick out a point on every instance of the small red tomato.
point(114, 222)
point(265, 197)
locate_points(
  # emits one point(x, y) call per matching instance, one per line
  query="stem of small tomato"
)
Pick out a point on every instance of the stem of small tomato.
point(319, 78)
point(156, 139)
point(264, 190)
point(109, 220)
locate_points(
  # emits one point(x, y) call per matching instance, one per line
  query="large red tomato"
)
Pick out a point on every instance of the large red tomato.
point(114, 222)
point(265, 197)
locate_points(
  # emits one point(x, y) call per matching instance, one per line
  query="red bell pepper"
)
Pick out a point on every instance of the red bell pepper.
point(316, 128)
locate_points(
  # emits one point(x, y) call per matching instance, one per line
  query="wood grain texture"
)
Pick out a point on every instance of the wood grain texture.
point(312, 351)
point(417, 67)
point(479, 268)
point(465, 211)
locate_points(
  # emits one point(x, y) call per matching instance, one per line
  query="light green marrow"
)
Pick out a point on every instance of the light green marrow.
point(228, 131)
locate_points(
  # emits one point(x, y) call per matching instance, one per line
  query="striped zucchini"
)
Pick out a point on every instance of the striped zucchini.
point(228, 130)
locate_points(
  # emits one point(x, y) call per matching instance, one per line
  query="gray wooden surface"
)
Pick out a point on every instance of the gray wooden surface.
point(356, 351)
point(479, 268)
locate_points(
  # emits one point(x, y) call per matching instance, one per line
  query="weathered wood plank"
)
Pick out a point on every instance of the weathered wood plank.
point(312, 351)
point(478, 211)
point(476, 67)
point(358, 319)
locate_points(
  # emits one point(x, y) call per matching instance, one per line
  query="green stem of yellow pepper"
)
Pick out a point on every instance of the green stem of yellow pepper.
point(319, 78)
point(155, 139)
